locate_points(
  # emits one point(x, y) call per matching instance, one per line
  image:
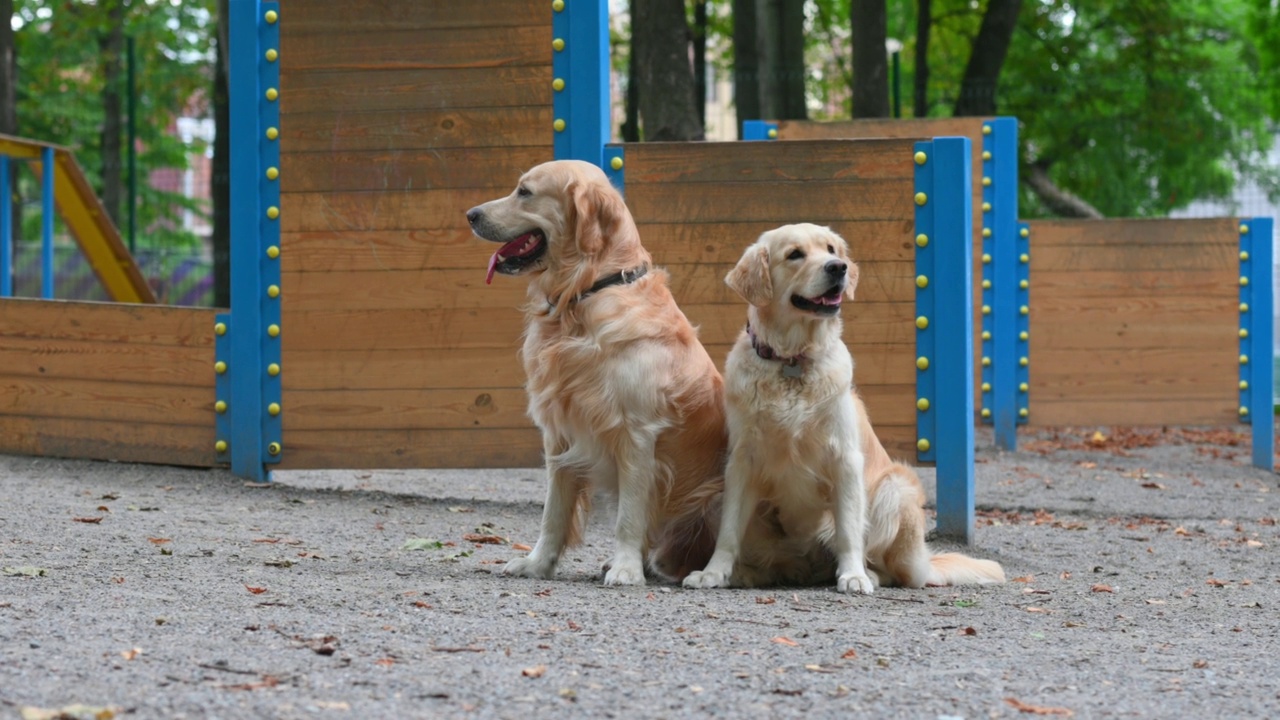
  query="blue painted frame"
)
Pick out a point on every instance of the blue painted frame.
point(759, 130)
point(944, 342)
point(1022, 323)
point(1001, 348)
point(6, 229)
point(1257, 367)
point(615, 166)
point(580, 82)
point(247, 340)
point(47, 212)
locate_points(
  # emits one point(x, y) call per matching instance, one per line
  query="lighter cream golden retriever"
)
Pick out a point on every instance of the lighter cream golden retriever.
point(626, 397)
point(801, 442)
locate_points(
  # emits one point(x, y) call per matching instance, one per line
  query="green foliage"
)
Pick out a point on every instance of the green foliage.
point(61, 79)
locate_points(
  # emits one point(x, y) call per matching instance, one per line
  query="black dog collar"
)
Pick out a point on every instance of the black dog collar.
point(625, 277)
point(790, 365)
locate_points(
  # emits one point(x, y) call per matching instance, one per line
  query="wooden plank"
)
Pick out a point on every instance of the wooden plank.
point(1128, 333)
point(1150, 234)
point(412, 448)
point(419, 48)
point(1068, 257)
point(333, 92)
point(432, 288)
point(399, 130)
point(774, 202)
point(1220, 286)
point(923, 128)
point(397, 170)
point(443, 330)
point(649, 163)
point(1046, 312)
point(107, 361)
point(109, 322)
point(26, 396)
point(1125, 411)
point(418, 210)
point(1147, 374)
point(339, 18)
point(190, 445)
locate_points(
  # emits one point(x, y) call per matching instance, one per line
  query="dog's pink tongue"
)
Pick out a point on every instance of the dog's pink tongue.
point(493, 264)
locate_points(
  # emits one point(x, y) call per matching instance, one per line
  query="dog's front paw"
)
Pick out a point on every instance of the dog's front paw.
point(706, 579)
point(855, 583)
point(624, 574)
point(530, 567)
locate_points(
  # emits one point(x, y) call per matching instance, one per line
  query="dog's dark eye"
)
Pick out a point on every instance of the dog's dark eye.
point(796, 254)
point(831, 249)
point(524, 192)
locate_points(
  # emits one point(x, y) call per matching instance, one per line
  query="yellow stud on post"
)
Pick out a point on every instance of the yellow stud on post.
point(986, 309)
point(273, 291)
point(1244, 307)
point(273, 409)
point(272, 55)
point(273, 330)
point(1024, 258)
point(922, 322)
point(220, 407)
point(922, 240)
point(1244, 384)
point(922, 282)
point(1244, 256)
point(986, 362)
point(986, 182)
point(986, 258)
point(1023, 361)
point(272, 133)
point(557, 84)
point(986, 412)
point(1024, 284)
point(1022, 412)
point(1243, 411)
point(219, 367)
point(616, 163)
point(558, 125)
point(1024, 310)
point(986, 154)
point(273, 252)
point(273, 369)
point(1024, 232)
point(986, 284)
point(271, 16)
point(986, 129)
point(220, 329)
point(922, 445)
point(272, 94)
point(557, 44)
point(921, 198)
point(557, 5)
point(273, 173)
point(986, 207)
point(1023, 335)
point(921, 158)
point(986, 387)
point(922, 404)
point(274, 448)
point(1244, 333)
point(773, 133)
point(1244, 229)
point(273, 212)
point(986, 334)
point(1244, 359)
point(986, 232)
point(1243, 281)
point(1022, 387)
point(922, 363)
point(220, 446)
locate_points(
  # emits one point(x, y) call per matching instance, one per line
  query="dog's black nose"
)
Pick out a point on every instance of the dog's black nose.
point(836, 268)
point(473, 215)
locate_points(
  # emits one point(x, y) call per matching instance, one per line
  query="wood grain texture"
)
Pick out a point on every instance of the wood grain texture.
point(412, 448)
point(335, 93)
point(182, 365)
point(411, 211)
point(789, 202)
point(758, 162)
point(310, 17)
point(406, 170)
point(1134, 322)
point(917, 128)
point(106, 322)
point(400, 130)
point(397, 48)
point(190, 445)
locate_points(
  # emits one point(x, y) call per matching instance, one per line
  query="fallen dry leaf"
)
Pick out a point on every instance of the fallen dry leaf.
point(131, 654)
point(1098, 439)
point(1037, 709)
point(536, 671)
point(158, 541)
point(521, 547)
point(421, 604)
point(1033, 609)
point(1100, 588)
point(1216, 582)
point(1154, 486)
point(484, 539)
point(385, 662)
point(1200, 664)
point(255, 590)
point(785, 641)
point(89, 520)
point(762, 600)
point(266, 540)
point(104, 508)
point(969, 631)
point(29, 712)
point(849, 654)
point(1153, 601)
point(1253, 543)
point(1024, 579)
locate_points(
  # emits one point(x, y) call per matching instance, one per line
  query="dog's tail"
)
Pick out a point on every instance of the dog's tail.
point(956, 569)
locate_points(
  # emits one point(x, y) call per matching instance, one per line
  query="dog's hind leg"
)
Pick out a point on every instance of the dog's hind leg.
point(561, 521)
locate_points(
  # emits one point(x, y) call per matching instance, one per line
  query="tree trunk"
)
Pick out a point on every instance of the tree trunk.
point(746, 63)
point(982, 74)
point(924, 23)
point(220, 180)
point(700, 59)
point(1062, 202)
point(9, 103)
point(780, 26)
point(630, 129)
point(870, 65)
point(111, 50)
point(663, 72)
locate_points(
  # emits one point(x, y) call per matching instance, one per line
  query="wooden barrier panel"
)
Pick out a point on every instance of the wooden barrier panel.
point(698, 206)
point(396, 117)
point(1134, 322)
point(105, 381)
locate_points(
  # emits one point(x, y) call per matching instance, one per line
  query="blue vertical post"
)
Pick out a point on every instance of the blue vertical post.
point(1257, 368)
point(759, 130)
point(1000, 355)
point(1022, 322)
point(944, 326)
point(46, 224)
point(247, 349)
point(580, 82)
point(615, 166)
point(6, 230)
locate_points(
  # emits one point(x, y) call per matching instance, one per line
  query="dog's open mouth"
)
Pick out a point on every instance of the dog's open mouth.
point(827, 303)
point(517, 254)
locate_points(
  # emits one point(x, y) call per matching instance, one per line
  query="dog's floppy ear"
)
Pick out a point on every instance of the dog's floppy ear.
point(852, 283)
point(598, 212)
point(750, 277)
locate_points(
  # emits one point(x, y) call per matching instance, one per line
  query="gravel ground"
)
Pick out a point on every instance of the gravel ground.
point(1144, 583)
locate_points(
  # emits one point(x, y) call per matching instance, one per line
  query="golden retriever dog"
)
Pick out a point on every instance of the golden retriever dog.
point(801, 442)
point(627, 399)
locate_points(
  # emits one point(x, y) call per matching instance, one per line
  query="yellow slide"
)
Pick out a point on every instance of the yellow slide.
point(87, 220)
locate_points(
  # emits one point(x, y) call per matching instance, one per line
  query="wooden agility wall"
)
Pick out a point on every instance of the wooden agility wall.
point(1134, 322)
point(396, 118)
point(699, 205)
point(108, 382)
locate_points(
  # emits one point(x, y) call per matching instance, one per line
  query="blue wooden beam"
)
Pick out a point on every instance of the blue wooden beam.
point(47, 210)
point(580, 79)
point(6, 229)
point(1257, 369)
point(1000, 352)
point(759, 130)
